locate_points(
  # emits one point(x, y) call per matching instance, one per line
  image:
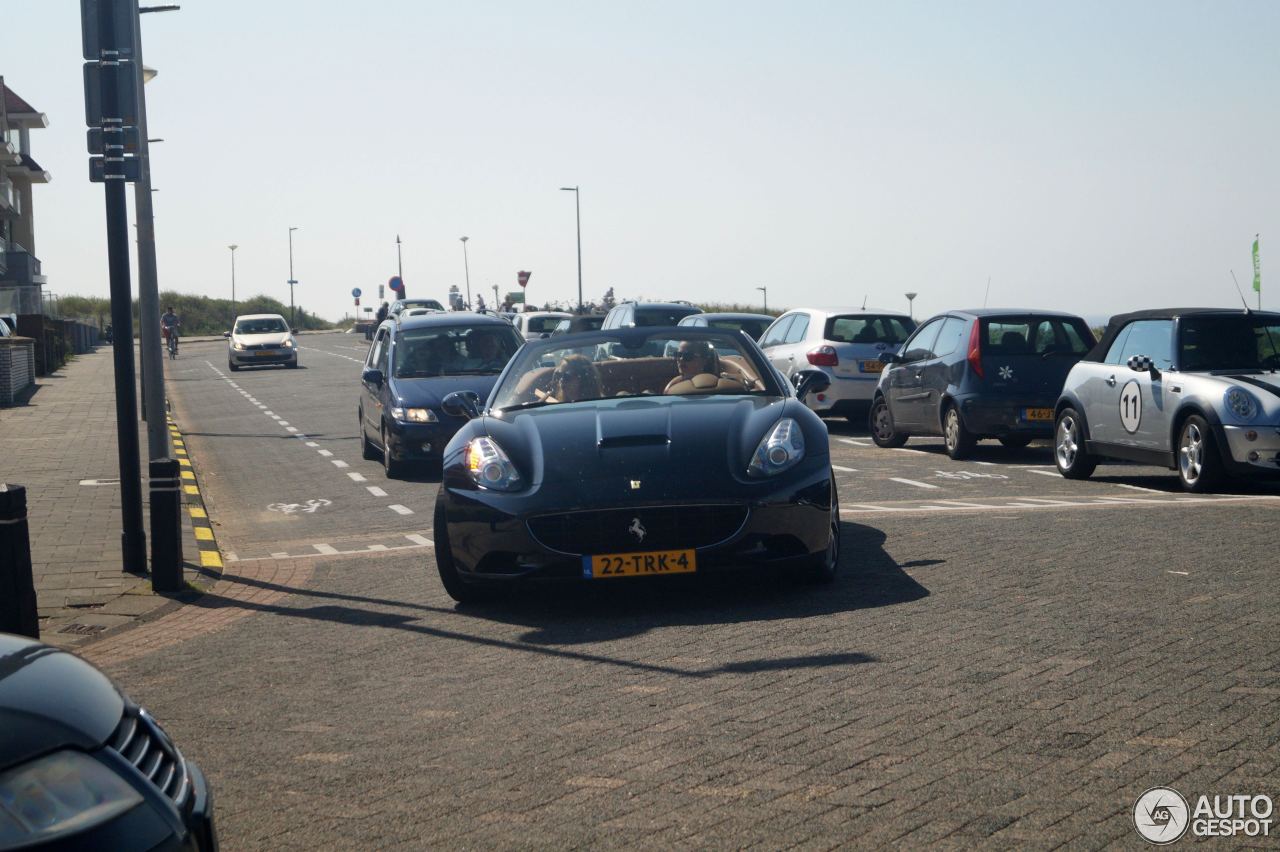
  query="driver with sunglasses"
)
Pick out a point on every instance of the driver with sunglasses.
point(699, 371)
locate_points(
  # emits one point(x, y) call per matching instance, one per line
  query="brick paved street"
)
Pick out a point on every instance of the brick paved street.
point(1007, 661)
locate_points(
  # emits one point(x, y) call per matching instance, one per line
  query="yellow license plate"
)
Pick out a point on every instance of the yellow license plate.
point(871, 366)
point(1037, 414)
point(639, 564)
point(265, 353)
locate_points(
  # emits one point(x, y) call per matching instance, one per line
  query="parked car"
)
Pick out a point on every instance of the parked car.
point(844, 344)
point(83, 767)
point(1190, 389)
point(415, 362)
point(399, 306)
point(579, 322)
point(984, 373)
point(753, 324)
point(258, 340)
point(589, 467)
point(642, 314)
point(538, 324)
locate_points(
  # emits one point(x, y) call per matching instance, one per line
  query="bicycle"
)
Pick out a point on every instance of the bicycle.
point(171, 342)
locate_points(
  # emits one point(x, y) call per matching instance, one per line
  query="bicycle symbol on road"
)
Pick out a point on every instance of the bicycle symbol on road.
point(968, 474)
point(308, 507)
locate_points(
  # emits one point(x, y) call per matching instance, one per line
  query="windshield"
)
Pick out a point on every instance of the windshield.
point(543, 325)
point(753, 328)
point(866, 328)
point(625, 365)
point(1240, 342)
point(270, 325)
point(663, 316)
point(453, 351)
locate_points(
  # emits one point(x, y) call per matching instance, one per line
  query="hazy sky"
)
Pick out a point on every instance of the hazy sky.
point(1091, 157)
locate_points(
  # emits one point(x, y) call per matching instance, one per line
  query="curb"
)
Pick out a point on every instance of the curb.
point(210, 556)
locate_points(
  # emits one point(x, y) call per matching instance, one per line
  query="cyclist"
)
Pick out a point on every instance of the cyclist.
point(169, 323)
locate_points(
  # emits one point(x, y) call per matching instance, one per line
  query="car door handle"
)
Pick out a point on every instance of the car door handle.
point(919, 373)
point(1111, 381)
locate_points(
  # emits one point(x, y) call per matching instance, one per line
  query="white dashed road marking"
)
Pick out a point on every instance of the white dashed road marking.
point(911, 482)
point(400, 510)
point(376, 491)
point(356, 477)
point(1045, 473)
point(843, 469)
point(420, 539)
point(326, 549)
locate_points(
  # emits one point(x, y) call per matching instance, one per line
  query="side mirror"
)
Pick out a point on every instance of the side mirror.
point(372, 376)
point(226, 334)
point(810, 381)
point(1143, 364)
point(889, 358)
point(462, 404)
point(293, 331)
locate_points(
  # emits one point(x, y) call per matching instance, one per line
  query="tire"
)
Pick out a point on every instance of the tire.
point(457, 588)
point(1069, 453)
point(880, 422)
point(232, 367)
point(390, 466)
point(1016, 442)
point(824, 567)
point(367, 450)
point(959, 440)
point(292, 365)
point(1200, 467)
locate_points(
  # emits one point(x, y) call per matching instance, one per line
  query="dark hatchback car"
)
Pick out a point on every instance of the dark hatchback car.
point(969, 375)
point(581, 322)
point(753, 325)
point(412, 365)
point(84, 768)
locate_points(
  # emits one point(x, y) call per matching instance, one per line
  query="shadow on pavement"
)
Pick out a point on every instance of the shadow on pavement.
point(569, 615)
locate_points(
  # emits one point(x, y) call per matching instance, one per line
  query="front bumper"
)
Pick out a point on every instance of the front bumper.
point(252, 357)
point(419, 441)
point(491, 540)
point(1257, 458)
point(1004, 417)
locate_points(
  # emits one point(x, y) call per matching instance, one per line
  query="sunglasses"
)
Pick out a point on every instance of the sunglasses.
point(691, 356)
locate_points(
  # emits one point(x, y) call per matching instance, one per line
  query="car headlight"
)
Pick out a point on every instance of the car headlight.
point(781, 449)
point(288, 344)
point(415, 415)
point(237, 345)
point(1241, 404)
point(59, 794)
point(489, 466)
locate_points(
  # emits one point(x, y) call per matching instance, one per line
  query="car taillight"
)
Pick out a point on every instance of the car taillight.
point(823, 356)
point(975, 348)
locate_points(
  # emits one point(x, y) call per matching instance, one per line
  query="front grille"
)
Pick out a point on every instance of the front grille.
point(616, 530)
point(140, 741)
point(254, 346)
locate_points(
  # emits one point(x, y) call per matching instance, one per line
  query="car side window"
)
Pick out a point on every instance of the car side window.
point(1117, 346)
point(1152, 338)
point(799, 327)
point(375, 351)
point(777, 332)
point(950, 336)
point(920, 346)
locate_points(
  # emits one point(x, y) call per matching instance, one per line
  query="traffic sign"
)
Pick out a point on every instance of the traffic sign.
point(355, 292)
point(103, 169)
point(357, 301)
point(382, 291)
point(114, 140)
point(125, 110)
point(118, 12)
point(523, 278)
point(396, 283)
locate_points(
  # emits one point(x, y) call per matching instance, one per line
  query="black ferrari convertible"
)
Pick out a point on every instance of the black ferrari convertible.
point(635, 452)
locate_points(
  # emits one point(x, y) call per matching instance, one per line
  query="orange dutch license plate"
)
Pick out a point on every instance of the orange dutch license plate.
point(264, 353)
point(639, 564)
point(871, 366)
point(1037, 413)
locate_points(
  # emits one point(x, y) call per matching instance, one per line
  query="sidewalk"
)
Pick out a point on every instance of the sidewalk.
point(61, 445)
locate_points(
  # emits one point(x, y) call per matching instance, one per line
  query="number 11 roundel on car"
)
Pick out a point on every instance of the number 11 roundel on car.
point(596, 459)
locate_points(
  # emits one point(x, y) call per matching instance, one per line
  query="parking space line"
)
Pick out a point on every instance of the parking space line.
point(965, 505)
point(1045, 473)
point(400, 510)
point(843, 469)
point(911, 482)
point(356, 477)
point(420, 539)
point(339, 463)
point(325, 453)
point(376, 491)
point(326, 549)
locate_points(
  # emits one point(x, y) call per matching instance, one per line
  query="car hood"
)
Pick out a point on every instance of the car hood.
point(637, 436)
point(51, 699)
point(276, 338)
point(427, 392)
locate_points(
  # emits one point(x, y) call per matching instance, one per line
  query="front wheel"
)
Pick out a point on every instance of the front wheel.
point(390, 466)
point(880, 422)
point(959, 440)
point(1199, 465)
point(1069, 453)
point(232, 367)
point(457, 588)
point(824, 567)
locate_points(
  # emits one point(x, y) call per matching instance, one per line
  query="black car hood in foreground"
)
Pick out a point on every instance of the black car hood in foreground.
point(51, 699)
point(686, 439)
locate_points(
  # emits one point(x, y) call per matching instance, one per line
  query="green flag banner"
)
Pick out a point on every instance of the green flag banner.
point(1257, 267)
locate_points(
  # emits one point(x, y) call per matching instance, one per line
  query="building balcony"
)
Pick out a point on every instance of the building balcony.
point(20, 267)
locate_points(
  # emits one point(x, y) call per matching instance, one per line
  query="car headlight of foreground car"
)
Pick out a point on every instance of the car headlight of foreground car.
point(237, 345)
point(415, 415)
point(489, 466)
point(1241, 404)
point(58, 794)
point(781, 449)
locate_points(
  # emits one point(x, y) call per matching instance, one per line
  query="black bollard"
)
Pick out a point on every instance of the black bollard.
point(17, 588)
point(166, 526)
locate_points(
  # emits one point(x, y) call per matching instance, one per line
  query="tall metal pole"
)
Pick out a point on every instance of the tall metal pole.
point(466, 268)
point(765, 291)
point(153, 395)
point(132, 537)
point(400, 269)
point(577, 207)
point(233, 248)
point(292, 316)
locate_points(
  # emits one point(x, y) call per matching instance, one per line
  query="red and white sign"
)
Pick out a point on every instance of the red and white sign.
point(523, 278)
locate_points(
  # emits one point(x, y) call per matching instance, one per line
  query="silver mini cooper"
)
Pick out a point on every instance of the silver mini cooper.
point(1192, 389)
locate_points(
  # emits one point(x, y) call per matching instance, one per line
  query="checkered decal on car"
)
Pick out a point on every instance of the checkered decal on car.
point(1140, 363)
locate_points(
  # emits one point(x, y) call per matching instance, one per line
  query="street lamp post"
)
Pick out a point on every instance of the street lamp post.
point(467, 269)
point(765, 291)
point(233, 248)
point(400, 268)
point(911, 298)
point(293, 320)
point(577, 207)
